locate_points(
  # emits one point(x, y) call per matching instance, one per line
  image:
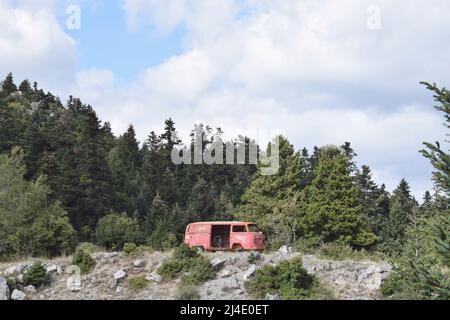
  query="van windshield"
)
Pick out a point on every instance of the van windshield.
point(253, 228)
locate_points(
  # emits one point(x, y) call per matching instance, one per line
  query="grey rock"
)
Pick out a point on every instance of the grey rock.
point(285, 250)
point(154, 277)
point(119, 290)
point(54, 269)
point(272, 296)
point(18, 295)
point(15, 270)
point(218, 263)
point(30, 289)
point(106, 255)
point(139, 263)
point(120, 275)
point(250, 272)
point(4, 289)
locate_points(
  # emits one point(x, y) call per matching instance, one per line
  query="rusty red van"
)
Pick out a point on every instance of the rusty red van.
point(222, 236)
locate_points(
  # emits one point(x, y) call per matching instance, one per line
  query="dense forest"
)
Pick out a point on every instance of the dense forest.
point(65, 178)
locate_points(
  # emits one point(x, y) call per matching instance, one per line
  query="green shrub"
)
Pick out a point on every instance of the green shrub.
point(162, 238)
point(196, 268)
point(308, 245)
point(138, 283)
point(172, 268)
point(130, 249)
point(289, 279)
point(337, 251)
point(114, 230)
point(50, 235)
point(36, 275)
point(133, 250)
point(183, 252)
point(200, 270)
point(253, 257)
point(187, 292)
point(84, 261)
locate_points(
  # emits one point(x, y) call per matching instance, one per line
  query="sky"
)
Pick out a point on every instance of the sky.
point(319, 71)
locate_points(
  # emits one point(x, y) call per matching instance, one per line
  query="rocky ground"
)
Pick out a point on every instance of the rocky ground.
point(344, 279)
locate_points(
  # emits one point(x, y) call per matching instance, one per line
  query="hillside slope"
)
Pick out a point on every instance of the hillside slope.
point(344, 279)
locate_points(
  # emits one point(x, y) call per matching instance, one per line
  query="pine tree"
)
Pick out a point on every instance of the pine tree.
point(395, 224)
point(440, 159)
point(333, 208)
point(201, 202)
point(8, 86)
point(266, 192)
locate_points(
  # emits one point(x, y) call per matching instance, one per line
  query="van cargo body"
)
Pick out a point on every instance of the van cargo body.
point(223, 236)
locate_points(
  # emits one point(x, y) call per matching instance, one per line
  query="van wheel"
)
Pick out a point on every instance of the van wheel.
point(237, 247)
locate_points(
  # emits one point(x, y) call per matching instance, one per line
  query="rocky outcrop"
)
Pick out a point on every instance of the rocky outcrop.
point(108, 280)
point(349, 279)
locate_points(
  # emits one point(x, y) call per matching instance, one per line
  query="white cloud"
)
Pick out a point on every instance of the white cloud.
point(33, 45)
point(310, 68)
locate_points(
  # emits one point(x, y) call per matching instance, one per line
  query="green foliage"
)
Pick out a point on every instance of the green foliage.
point(253, 257)
point(289, 279)
point(36, 275)
point(184, 252)
point(440, 159)
point(333, 210)
point(195, 268)
point(87, 247)
point(84, 261)
point(138, 283)
point(187, 292)
point(30, 224)
point(132, 250)
point(337, 251)
point(114, 230)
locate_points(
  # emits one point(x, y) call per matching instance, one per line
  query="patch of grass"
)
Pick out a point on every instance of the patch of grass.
point(36, 275)
point(138, 283)
point(84, 261)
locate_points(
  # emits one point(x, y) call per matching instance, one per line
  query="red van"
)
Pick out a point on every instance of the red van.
point(222, 236)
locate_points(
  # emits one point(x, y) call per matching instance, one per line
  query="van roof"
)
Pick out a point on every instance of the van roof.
point(223, 222)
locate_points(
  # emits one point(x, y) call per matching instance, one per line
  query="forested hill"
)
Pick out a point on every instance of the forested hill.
point(65, 178)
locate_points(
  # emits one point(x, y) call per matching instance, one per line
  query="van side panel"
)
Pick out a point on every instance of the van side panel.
point(243, 239)
point(199, 235)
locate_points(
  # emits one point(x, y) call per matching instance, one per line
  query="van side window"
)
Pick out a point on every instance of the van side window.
point(239, 229)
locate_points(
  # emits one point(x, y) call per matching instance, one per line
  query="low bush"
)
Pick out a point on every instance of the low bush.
point(308, 245)
point(114, 230)
point(36, 275)
point(337, 251)
point(84, 261)
point(195, 268)
point(183, 252)
point(133, 250)
point(138, 283)
point(88, 247)
point(289, 279)
point(253, 257)
point(187, 292)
